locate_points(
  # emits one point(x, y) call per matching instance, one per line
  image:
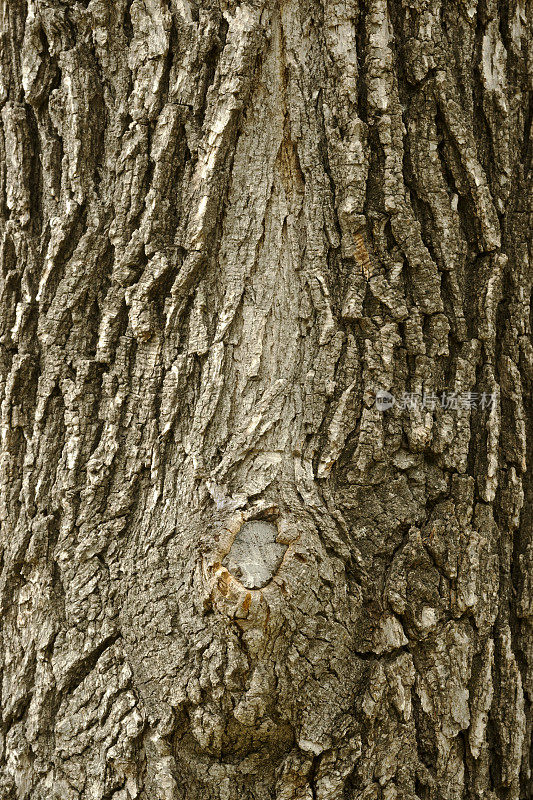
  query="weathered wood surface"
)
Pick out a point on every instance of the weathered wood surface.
point(223, 229)
point(255, 554)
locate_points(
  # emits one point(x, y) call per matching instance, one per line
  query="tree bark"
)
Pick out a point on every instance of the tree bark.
point(227, 572)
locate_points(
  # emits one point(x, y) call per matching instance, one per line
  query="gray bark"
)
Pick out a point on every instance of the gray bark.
point(225, 573)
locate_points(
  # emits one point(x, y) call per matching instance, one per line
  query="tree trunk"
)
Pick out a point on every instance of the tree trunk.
point(266, 370)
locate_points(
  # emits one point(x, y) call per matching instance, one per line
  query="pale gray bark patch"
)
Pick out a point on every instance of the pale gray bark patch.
point(255, 554)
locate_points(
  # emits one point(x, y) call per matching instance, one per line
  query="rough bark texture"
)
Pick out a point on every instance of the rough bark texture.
point(222, 228)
